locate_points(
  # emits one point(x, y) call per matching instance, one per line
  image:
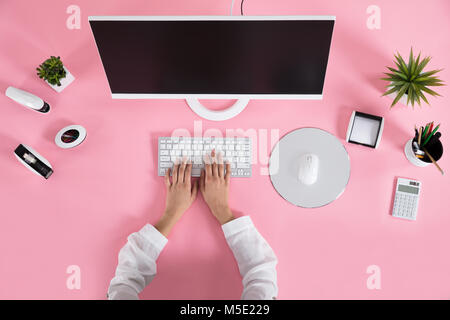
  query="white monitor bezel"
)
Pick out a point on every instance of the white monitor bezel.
point(211, 18)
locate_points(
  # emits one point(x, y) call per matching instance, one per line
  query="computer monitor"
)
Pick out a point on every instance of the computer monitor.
point(214, 57)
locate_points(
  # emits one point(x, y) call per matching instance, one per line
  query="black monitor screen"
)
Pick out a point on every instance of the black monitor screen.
point(214, 57)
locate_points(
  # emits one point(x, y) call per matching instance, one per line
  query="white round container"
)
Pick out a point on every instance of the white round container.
point(409, 153)
point(79, 138)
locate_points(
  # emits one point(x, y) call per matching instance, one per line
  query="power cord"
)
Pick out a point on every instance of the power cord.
point(232, 5)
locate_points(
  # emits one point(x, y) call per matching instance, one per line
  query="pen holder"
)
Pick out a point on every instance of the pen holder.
point(434, 148)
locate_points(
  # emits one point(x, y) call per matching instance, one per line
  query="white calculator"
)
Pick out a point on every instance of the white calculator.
point(406, 199)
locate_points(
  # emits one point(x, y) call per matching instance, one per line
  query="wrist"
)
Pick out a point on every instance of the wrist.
point(223, 214)
point(172, 214)
point(166, 223)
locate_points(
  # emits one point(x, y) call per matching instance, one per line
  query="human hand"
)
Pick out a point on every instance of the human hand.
point(214, 185)
point(180, 194)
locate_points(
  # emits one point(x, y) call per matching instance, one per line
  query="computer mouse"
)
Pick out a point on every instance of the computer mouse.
point(308, 168)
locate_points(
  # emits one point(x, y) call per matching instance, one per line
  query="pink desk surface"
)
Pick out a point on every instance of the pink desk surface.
point(108, 187)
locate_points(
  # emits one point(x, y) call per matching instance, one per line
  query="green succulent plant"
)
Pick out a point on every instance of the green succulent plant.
point(52, 70)
point(410, 80)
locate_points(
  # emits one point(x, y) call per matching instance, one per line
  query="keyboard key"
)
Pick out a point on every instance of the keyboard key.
point(165, 164)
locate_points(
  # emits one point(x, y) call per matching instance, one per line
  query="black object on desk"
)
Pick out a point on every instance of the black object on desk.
point(434, 147)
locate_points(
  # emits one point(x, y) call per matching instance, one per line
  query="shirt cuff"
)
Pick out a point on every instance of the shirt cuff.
point(237, 225)
point(155, 237)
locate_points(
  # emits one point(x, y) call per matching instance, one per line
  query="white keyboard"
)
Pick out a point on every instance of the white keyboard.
point(406, 199)
point(236, 151)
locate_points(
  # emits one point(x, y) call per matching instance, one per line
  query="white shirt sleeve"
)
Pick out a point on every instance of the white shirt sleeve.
point(256, 259)
point(137, 263)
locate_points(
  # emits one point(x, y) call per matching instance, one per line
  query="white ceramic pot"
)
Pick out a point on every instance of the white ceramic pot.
point(409, 153)
point(64, 82)
point(403, 100)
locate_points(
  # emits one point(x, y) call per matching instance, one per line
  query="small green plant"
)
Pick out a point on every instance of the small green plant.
point(52, 70)
point(410, 80)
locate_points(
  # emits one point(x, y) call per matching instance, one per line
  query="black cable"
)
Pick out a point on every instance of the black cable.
point(242, 12)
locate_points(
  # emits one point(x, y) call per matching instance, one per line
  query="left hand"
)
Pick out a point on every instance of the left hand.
point(181, 193)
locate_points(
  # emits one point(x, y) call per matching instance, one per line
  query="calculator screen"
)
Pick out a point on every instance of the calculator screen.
point(408, 189)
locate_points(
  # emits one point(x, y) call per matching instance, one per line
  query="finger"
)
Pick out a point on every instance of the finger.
point(187, 173)
point(214, 163)
point(228, 172)
point(202, 181)
point(207, 160)
point(175, 172)
point(167, 178)
point(220, 165)
point(181, 171)
point(194, 191)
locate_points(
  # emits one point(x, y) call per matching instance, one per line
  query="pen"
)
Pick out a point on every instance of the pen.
point(431, 134)
point(434, 161)
point(420, 136)
point(431, 127)
point(425, 130)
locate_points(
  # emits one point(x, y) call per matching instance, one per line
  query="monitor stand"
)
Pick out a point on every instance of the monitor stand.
point(217, 115)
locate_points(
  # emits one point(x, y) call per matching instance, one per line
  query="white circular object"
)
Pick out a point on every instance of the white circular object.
point(70, 136)
point(411, 156)
point(217, 115)
point(333, 172)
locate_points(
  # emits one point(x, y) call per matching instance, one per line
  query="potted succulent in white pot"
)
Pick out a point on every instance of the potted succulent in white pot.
point(408, 82)
point(55, 73)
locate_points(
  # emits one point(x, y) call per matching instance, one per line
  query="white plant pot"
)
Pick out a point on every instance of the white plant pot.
point(403, 100)
point(64, 82)
point(409, 153)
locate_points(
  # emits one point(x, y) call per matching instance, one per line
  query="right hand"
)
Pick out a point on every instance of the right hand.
point(214, 186)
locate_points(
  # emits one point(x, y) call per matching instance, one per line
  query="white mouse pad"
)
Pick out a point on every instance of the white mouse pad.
point(334, 169)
